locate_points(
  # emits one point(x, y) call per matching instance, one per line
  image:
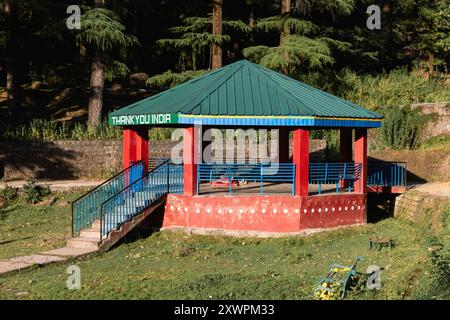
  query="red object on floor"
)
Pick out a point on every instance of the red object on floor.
point(224, 182)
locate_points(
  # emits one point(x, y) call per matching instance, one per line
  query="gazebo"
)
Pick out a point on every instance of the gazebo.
point(246, 95)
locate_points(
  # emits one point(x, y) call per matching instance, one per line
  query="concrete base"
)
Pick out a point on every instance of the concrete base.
point(251, 234)
point(267, 213)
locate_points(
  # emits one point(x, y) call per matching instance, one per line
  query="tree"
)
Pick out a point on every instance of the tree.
point(301, 43)
point(97, 82)
point(11, 53)
point(104, 37)
point(432, 30)
point(285, 12)
point(195, 47)
point(217, 31)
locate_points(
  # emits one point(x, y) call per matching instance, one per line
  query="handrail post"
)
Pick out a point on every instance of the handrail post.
point(101, 221)
point(168, 178)
point(230, 179)
point(293, 179)
point(197, 191)
point(71, 219)
point(261, 168)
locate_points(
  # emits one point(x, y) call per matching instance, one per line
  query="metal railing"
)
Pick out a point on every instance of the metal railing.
point(133, 199)
point(156, 161)
point(386, 174)
point(86, 209)
point(248, 172)
point(334, 173)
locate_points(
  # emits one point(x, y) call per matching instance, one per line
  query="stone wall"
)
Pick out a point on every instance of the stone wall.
point(422, 208)
point(81, 159)
point(440, 125)
point(59, 160)
point(422, 165)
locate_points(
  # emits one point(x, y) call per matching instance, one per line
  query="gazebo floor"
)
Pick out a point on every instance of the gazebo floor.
point(254, 188)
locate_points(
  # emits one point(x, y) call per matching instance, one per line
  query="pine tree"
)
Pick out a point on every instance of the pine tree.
point(301, 45)
point(104, 37)
point(432, 32)
point(196, 39)
point(217, 31)
point(10, 8)
point(194, 45)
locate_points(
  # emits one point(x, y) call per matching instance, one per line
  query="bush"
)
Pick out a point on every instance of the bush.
point(8, 194)
point(33, 192)
point(45, 130)
point(437, 141)
point(397, 88)
point(402, 127)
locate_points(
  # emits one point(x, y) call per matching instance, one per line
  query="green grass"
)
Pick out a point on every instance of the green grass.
point(436, 142)
point(28, 229)
point(170, 265)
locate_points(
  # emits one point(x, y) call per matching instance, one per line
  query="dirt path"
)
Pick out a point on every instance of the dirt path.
point(57, 185)
point(439, 189)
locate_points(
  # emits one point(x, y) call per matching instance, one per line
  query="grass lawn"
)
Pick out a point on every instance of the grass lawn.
point(169, 265)
point(28, 229)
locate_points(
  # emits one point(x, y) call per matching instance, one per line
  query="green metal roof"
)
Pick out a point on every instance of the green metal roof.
point(244, 90)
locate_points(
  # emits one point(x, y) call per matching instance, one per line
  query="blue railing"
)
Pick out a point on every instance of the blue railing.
point(133, 199)
point(248, 172)
point(334, 173)
point(386, 174)
point(86, 209)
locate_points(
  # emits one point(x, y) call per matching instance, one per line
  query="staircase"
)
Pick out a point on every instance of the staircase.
point(104, 215)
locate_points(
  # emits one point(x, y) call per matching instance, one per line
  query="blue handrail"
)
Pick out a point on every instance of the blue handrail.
point(86, 209)
point(334, 173)
point(133, 199)
point(386, 174)
point(250, 172)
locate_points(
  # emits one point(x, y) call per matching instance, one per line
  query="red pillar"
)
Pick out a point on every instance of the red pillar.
point(129, 147)
point(345, 149)
point(361, 157)
point(283, 145)
point(190, 158)
point(135, 146)
point(142, 146)
point(300, 155)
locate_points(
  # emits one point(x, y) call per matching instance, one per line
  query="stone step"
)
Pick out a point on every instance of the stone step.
point(83, 243)
point(96, 225)
point(90, 233)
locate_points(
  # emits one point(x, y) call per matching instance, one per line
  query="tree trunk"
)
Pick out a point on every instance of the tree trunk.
point(97, 83)
point(430, 65)
point(251, 22)
point(217, 30)
point(11, 55)
point(285, 11)
point(97, 86)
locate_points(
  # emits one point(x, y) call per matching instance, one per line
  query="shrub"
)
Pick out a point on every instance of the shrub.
point(437, 141)
point(34, 192)
point(397, 88)
point(8, 194)
point(402, 127)
point(45, 130)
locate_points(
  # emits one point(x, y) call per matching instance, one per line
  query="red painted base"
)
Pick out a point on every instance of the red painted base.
point(269, 213)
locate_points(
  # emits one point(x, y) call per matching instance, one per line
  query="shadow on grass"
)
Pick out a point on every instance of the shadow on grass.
point(146, 228)
point(380, 206)
point(15, 240)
